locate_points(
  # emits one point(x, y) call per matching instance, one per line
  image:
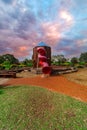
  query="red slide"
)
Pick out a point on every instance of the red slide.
point(46, 69)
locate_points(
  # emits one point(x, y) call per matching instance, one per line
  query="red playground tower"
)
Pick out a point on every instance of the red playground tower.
point(42, 57)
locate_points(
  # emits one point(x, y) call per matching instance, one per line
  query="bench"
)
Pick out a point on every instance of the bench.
point(8, 75)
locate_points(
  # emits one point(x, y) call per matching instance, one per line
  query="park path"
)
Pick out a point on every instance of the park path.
point(54, 83)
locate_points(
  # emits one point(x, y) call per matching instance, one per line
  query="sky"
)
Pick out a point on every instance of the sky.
point(61, 24)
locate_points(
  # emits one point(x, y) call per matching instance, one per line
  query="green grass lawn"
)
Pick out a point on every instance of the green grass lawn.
point(35, 108)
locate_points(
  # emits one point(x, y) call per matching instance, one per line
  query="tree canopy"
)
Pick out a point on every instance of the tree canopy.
point(83, 57)
point(74, 60)
point(58, 58)
point(8, 57)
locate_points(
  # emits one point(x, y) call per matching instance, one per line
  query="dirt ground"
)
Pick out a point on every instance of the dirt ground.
point(78, 77)
point(74, 84)
point(3, 80)
point(25, 74)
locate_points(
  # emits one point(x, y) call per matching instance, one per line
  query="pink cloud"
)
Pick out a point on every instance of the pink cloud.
point(22, 48)
point(65, 15)
point(52, 32)
point(82, 42)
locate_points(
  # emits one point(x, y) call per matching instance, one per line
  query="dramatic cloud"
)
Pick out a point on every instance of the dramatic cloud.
point(7, 1)
point(62, 24)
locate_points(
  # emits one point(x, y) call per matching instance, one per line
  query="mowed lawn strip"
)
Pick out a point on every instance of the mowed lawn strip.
point(35, 108)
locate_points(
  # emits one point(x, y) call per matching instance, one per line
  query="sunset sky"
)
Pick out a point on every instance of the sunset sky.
point(61, 24)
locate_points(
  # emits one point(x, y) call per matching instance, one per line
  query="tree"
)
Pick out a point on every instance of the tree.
point(74, 60)
point(28, 62)
point(7, 65)
point(59, 59)
point(1, 59)
point(10, 58)
point(83, 57)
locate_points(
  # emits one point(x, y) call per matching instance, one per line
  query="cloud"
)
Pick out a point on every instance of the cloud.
point(24, 23)
point(3, 25)
point(23, 48)
point(51, 31)
point(81, 42)
point(19, 50)
point(7, 1)
point(4, 47)
point(66, 16)
point(70, 47)
point(55, 30)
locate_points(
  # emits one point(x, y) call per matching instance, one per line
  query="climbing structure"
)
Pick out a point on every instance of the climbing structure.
point(42, 60)
point(35, 54)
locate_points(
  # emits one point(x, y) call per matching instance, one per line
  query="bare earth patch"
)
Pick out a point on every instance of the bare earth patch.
point(78, 77)
point(73, 84)
point(25, 74)
point(3, 80)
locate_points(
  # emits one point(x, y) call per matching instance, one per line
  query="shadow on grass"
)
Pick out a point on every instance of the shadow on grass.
point(3, 86)
point(1, 91)
point(6, 86)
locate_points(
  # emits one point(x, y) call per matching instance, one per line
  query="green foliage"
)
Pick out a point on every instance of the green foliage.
point(58, 59)
point(1, 67)
point(7, 65)
point(81, 63)
point(21, 65)
point(8, 61)
point(60, 63)
point(83, 57)
point(67, 64)
point(34, 108)
point(55, 63)
point(14, 65)
point(10, 58)
point(28, 62)
point(1, 59)
point(74, 60)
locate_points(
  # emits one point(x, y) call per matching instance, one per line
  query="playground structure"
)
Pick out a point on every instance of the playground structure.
point(35, 54)
point(42, 60)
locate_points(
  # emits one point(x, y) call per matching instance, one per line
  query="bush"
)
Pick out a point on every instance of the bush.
point(67, 64)
point(80, 66)
point(7, 65)
point(29, 64)
point(21, 65)
point(81, 63)
point(1, 67)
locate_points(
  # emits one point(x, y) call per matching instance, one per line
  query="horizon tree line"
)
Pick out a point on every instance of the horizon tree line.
point(9, 60)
